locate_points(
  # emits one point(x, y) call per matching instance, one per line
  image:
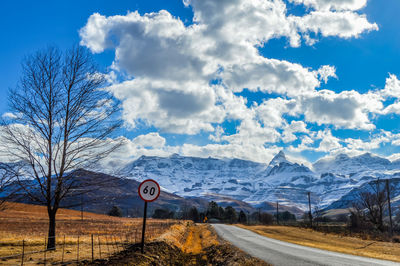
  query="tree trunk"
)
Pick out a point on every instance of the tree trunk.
point(51, 240)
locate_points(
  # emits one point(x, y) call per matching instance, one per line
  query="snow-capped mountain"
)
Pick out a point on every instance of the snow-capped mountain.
point(343, 164)
point(256, 183)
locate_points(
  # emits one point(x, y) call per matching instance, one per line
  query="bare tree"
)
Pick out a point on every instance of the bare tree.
point(371, 205)
point(62, 120)
point(8, 175)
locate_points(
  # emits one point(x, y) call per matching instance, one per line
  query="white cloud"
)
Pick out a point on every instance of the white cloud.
point(270, 75)
point(329, 143)
point(326, 72)
point(153, 140)
point(270, 112)
point(348, 109)
point(254, 153)
point(9, 115)
point(250, 132)
point(294, 127)
point(333, 4)
point(168, 68)
point(345, 24)
point(181, 108)
point(217, 137)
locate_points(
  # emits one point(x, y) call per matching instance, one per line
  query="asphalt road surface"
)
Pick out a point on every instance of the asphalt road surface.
point(283, 253)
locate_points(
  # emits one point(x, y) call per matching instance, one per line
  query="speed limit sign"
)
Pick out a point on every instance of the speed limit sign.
point(149, 190)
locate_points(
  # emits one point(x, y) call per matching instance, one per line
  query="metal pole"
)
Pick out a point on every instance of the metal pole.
point(390, 207)
point(309, 209)
point(144, 225)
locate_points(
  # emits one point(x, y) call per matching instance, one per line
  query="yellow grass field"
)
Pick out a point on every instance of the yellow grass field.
point(29, 223)
point(190, 238)
point(332, 242)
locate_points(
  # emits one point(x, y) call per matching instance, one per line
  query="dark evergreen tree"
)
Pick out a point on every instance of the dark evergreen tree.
point(213, 210)
point(230, 215)
point(194, 214)
point(242, 218)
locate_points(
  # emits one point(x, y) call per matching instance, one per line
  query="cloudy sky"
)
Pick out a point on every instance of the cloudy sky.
point(231, 78)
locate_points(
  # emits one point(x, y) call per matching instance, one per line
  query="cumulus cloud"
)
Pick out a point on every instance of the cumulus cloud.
point(152, 140)
point(186, 79)
point(270, 75)
point(332, 4)
point(348, 109)
point(326, 72)
point(294, 127)
point(344, 24)
point(271, 111)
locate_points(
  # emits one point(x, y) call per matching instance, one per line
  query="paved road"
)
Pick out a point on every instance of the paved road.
point(282, 253)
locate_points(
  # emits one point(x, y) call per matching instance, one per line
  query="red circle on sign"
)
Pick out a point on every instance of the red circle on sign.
point(149, 180)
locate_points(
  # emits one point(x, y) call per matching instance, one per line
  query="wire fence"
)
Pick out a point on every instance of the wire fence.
point(76, 248)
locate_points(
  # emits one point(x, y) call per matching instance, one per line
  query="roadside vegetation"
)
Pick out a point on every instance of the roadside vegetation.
point(184, 244)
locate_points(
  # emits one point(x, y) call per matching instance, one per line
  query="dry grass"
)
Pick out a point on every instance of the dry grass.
point(27, 222)
point(332, 242)
point(190, 238)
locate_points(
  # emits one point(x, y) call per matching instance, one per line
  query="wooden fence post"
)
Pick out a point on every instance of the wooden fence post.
point(92, 249)
point(77, 254)
point(98, 238)
point(62, 256)
point(45, 250)
point(23, 252)
point(108, 248)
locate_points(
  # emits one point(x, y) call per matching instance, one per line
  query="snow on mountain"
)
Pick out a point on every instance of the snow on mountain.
point(191, 176)
point(343, 164)
point(255, 183)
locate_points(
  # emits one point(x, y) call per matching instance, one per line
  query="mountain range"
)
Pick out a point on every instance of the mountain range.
point(331, 182)
point(191, 181)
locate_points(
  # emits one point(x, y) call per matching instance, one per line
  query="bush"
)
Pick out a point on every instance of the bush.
point(286, 216)
point(163, 214)
point(115, 211)
point(266, 218)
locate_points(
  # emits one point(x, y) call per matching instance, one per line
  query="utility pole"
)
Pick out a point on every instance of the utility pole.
point(277, 213)
point(81, 207)
point(390, 207)
point(309, 209)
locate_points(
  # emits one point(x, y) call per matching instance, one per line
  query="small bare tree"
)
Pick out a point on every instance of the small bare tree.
point(8, 175)
point(62, 122)
point(371, 205)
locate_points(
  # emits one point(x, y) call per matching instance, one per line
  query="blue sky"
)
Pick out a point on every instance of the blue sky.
point(231, 78)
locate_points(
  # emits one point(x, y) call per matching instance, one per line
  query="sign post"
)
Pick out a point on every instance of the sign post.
point(149, 190)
